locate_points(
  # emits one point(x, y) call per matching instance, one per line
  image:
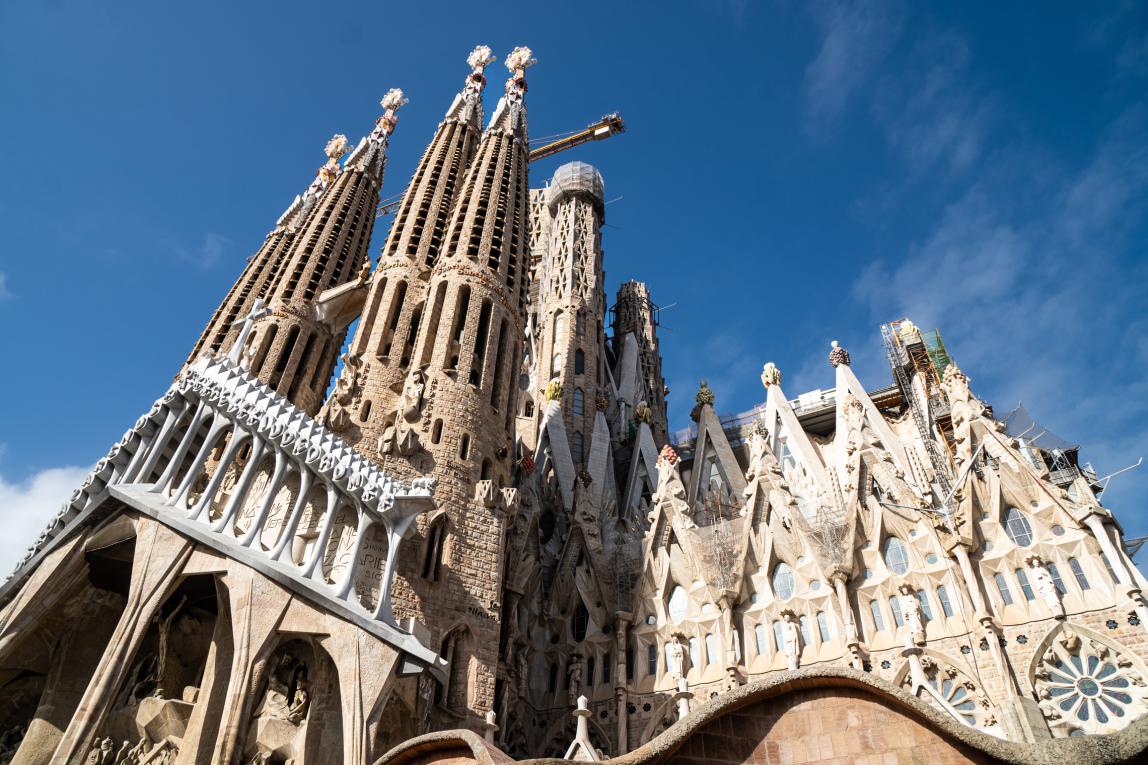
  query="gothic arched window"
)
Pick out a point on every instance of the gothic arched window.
point(782, 581)
point(1017, 527)
point(678, 603)
point(1078, 572)
point(432, 558)
point(895, 555)
point(581, 622)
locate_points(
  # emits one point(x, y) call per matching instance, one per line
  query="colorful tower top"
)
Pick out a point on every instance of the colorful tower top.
point(510, 114)
point(370, 156)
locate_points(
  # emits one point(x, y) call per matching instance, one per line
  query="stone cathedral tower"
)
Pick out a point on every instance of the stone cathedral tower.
point(486, 543)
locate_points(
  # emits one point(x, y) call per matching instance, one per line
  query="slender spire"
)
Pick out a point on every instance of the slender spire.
point(467, 105)
point(370, 156)
point(296, 213)
point(510, 114)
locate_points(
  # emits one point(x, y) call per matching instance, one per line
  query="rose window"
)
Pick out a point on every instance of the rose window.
point(1085, 687)
point(957, 697)
point(953, 691)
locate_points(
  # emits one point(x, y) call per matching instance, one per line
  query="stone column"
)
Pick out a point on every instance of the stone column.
point(159, 558)
point(621, 693)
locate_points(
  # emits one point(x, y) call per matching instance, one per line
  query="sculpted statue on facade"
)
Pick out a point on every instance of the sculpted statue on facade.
point(401, 437)
point(675, 657)
point(911, 609)
point(1045, 586)
point(791, 639)
point(346, 392)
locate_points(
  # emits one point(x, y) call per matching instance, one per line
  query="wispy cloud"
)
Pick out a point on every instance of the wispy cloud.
point(4, 292)
point(855, 37)
point(27, 506)
point(212, 250)
point(1034, 297)
point(930, 113)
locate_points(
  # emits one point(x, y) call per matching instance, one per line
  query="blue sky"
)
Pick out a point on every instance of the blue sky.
point(793, 173)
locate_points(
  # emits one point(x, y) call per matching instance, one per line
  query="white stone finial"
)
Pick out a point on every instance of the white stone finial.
point(480, 58)
point(393, 100)
point(581, 748)
point(520, 58)
point(491, 725)
point(337, 146)
point(770, 375)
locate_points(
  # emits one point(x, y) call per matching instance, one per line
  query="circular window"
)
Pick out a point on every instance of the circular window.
point(987, 547)
point(930, 558)
point(651, 620)
point(866, 574)
point(1058, 530)
point(815, 585)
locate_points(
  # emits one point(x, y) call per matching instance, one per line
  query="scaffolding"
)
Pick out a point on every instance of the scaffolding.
point(923, 356)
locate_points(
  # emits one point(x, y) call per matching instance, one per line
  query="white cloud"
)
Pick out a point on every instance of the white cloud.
point(1039, 296)
point(213, 249)
point(27, 506)
point(855, 37)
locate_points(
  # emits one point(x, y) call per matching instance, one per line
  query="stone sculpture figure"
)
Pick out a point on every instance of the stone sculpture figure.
point(101, 753)
point(911, 609)
point(401, 437)
point(1045, 586)
point(791, 639)
point(675, 657)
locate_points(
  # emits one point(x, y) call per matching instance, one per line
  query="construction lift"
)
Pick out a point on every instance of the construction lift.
point(609, 125)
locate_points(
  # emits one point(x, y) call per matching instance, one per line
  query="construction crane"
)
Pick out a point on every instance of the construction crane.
point(609, 125)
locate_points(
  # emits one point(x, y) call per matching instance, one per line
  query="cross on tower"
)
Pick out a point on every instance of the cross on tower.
point(258, 310)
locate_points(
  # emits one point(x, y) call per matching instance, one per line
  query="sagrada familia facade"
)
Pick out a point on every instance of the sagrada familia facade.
point(485, 543)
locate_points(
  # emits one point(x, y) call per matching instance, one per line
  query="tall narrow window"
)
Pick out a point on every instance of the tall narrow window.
point(806, 633)
point(926, 610)
point(823, 626)
point(590, 671)
point(782, 581)
point(1055, 574)
point(1017, 527)
point(579, 362)
point(576, 447)
point(895, 555)
point(629, 663)
point(1078, 572)
point(778, 638)
point(895, 607)
point(651, 660)
point(1022, 579)
point(581, 622)
point(711, 649)
point(759, 639)
point(1108, 567)
point(943, 596)
point(579, 403)
point(432, 560)
point(1002, 587)
point(552, 683)
point(695, 660)
point(875, 612)
point(607, 660)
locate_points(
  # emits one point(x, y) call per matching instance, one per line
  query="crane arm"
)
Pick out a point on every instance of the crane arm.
point(609, 125)
point(600, 130)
